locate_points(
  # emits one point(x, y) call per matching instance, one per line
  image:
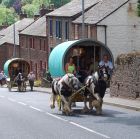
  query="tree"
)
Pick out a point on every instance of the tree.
point(8, 3)
point(58, 3)
point(30, 9)
point(138, 7)
point(24, 2)
point(40, 2)
point(7, 15)
point(17, 6)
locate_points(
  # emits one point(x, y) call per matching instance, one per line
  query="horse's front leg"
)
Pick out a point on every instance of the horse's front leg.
point(53, 97)
point(85, 109)
point(67, 108)
point(98, 106)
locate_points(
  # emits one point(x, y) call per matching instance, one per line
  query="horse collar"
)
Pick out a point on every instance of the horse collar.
point(64, 84)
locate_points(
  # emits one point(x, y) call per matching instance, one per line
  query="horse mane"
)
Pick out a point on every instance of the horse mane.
point(96, 75)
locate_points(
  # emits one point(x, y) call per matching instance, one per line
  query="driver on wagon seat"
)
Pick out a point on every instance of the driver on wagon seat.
point(108, 64)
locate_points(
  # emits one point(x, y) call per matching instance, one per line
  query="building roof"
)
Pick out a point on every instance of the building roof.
point(100, 11)
point(72, 8)
point(7, 35)
point(37, 28)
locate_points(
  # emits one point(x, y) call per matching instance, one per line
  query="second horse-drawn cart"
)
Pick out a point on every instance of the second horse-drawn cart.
point(11, 68)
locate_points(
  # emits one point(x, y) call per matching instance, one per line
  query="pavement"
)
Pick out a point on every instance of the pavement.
point(108, 100)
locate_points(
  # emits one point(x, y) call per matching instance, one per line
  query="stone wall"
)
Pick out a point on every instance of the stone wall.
point(126, 78)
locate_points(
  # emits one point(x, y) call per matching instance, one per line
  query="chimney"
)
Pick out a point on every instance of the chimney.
point(3, 27)
point(51, 7)
point(36, 16)
point(44, 10)
point(23, 15)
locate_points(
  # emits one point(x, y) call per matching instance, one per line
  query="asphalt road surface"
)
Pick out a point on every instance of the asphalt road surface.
point(28, 116)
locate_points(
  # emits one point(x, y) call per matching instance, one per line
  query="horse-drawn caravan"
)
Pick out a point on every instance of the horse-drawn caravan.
point(90, 89)
point(12, 68)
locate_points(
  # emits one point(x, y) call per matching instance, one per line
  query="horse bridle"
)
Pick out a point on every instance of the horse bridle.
point(91, 80)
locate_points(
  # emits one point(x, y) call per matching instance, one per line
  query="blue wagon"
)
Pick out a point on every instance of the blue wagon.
point(81, 50)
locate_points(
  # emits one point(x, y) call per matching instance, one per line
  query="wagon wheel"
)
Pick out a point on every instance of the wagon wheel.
point(24, 85)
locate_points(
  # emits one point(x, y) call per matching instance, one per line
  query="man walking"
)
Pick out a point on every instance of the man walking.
point(2, 78)
point(31, 78)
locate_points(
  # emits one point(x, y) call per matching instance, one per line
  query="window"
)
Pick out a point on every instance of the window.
point(31, 65)
point(40, 43)
point(45, 65)
point(30, 42)
point(33, 43)
point(66, 30)
point(40, 65)
point(51, 27)
point(36, 70)
point(44, 45)
point(59, 29)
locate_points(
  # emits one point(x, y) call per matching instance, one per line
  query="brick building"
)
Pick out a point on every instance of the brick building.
point(34, 45)
point(7, 40)
point(59, 22)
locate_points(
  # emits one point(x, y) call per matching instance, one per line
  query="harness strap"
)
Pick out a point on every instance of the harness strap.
point(65, 85)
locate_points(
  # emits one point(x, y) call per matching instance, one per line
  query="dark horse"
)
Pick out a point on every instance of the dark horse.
point(95, 89)
point(20, 82)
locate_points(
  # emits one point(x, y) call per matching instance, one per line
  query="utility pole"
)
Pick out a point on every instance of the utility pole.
point(14, 50)
point(83, 19)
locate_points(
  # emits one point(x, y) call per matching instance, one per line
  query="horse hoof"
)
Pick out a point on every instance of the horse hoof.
point(52, 106)
point(85, 110)
point(98, 112)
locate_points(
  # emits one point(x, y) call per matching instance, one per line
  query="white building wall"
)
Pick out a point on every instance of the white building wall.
point(101, 34)
point(123, 29)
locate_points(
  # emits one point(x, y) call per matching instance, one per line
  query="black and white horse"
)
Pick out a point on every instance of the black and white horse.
point(64, 87)
point(95, 90)
point(20, 82)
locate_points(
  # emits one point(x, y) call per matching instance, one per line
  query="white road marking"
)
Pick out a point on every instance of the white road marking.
point(2, 96)
point(22, 103)
point(57, 117)
point(36, 108)
point(13, 100)
point(90, 130)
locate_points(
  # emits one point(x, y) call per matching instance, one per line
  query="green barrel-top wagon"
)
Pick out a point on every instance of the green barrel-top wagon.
point(11, 69)
point(82, 51)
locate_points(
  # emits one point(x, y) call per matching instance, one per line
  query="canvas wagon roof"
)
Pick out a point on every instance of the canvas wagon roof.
point(56, 65)
point(8, 62)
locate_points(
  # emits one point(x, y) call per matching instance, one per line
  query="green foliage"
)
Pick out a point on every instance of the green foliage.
point(30, 9)
point(8, 3)
point(138, 7)
point(58, 3)
point(24, 2)
point(40, 2)
point(7, 15)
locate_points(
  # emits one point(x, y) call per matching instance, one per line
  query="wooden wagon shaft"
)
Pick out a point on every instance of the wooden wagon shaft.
point(73, 95)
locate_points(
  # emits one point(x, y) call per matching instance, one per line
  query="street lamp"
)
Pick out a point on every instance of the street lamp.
point(83, 19)
point(14, 50)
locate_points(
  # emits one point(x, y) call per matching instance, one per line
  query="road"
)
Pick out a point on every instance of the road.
point(28, 116)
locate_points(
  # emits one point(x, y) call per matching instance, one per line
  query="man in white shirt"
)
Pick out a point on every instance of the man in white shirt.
point(31, 78)
point(2, 77)
point(105, 62)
